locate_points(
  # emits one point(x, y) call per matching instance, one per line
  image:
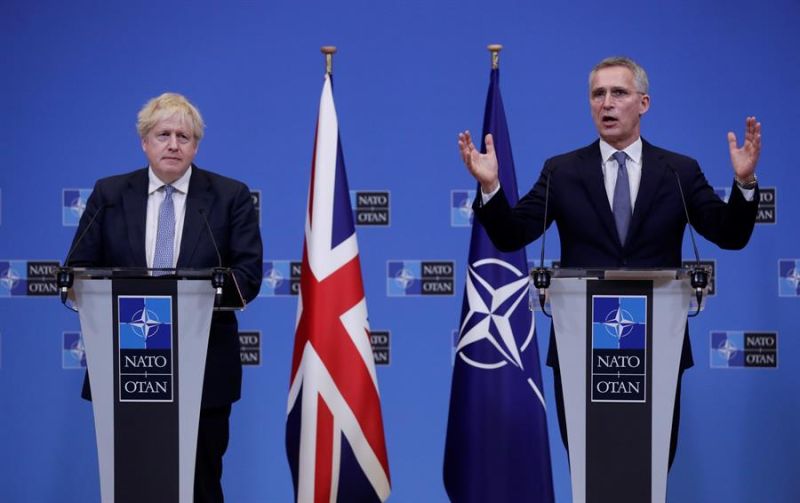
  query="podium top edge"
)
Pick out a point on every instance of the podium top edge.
point(623, 273)
point(145, 272)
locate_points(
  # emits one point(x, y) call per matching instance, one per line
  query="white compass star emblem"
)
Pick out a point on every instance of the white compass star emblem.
point(728, 349)
point(619, 323)
point(273, 278)
point(404, 277)
point(9, 279)
point(145, 323)
point(78, 206)
point(77, 350)
point(794, 277)
point(492, 322)
point(465, 208)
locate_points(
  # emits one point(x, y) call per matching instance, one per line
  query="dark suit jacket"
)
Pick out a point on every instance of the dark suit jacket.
point(579, 205)
point(117, 239)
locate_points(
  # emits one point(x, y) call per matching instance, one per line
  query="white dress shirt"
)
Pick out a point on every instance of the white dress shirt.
point(155, 196)
point(633, 165)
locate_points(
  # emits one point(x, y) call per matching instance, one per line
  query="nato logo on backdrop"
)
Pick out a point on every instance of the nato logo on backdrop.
point(461, 207)
point(406, 278)
point(145, 348)
point(28, 278)
point(281, 278)
point(370, 207)
point(73, 204)
point(741, 349)
point(789, 277)
point(381, 345)
point(619, 348)
point(250, 347)
point(767, 210)
point(73, 354)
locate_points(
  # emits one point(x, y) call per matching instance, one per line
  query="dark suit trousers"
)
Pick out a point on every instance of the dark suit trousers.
point(212, 442)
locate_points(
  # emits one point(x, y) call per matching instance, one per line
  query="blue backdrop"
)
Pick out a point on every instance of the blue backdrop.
point(409, 76)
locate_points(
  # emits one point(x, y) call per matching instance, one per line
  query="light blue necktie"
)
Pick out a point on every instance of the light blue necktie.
point(622, 199)
point(165, 236)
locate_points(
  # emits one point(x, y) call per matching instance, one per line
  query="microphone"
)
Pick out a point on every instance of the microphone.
point(218, 274)
point(698, 276)
point(542, 276)
point(64, 275)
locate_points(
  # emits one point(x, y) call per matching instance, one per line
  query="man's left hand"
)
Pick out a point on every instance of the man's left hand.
point(745, 158)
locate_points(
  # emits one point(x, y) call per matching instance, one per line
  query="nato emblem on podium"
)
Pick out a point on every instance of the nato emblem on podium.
point(619, 348)
point(145, 349)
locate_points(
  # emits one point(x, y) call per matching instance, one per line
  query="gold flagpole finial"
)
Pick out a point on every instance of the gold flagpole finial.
point(495, 50)
point(328, 51)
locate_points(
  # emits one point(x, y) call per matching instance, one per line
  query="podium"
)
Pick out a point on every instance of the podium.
point(619, 336)
point(145, 338)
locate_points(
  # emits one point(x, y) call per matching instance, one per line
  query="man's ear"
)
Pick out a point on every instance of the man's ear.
point(644, 104)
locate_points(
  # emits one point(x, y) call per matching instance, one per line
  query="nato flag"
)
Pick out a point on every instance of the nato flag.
point(497, 448)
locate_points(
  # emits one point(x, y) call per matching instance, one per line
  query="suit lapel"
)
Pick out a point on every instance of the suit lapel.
point(653, 171)
point(134, 202)
point(591, 169)
point(199, 198)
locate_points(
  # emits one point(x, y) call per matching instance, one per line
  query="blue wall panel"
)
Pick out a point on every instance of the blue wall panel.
point(409, 76)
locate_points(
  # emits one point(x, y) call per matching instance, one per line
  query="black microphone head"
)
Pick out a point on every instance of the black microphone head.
point(699, 278)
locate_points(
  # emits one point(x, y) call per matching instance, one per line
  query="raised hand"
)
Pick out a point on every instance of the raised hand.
point(745, 158)
point(482, 166)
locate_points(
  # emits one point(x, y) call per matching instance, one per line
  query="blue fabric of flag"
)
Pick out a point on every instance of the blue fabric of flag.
point(497, 448)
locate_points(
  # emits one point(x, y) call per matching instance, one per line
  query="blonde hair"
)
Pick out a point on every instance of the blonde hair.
point(168, 105)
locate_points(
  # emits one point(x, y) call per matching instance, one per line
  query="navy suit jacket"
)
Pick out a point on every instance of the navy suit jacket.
point(580, 208)
point(117, 239)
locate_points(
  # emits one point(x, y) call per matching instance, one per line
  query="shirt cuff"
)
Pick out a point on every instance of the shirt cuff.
point(485, 198)
point(748, 194)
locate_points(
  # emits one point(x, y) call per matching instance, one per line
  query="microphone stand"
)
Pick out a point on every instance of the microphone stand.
point(542, 275)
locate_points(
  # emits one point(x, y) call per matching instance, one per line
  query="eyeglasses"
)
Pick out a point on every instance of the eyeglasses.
point(616, 94)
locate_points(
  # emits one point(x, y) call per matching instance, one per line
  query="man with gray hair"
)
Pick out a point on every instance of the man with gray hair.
point(615, 201)
point(127, 227)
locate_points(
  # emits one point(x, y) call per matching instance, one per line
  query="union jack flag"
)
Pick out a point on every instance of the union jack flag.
point(334, 429)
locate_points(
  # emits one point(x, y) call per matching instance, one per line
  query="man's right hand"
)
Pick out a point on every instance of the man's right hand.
point(482, 166)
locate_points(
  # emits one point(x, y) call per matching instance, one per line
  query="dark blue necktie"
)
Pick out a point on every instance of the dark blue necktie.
point(165, 236)
point(622, 199)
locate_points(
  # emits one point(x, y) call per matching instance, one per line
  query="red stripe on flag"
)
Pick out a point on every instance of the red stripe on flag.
point(323, 304)
point(324, 462)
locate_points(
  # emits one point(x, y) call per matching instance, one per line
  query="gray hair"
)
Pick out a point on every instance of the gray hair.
point(639, 75)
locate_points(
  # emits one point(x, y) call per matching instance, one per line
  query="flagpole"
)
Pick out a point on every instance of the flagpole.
point(328, 51)
point(495, 50)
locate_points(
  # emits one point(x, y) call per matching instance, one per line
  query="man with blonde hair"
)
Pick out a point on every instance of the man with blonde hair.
point(155, 217)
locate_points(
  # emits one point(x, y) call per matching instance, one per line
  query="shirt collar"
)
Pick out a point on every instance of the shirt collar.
point(181, 184)
point(633, 151)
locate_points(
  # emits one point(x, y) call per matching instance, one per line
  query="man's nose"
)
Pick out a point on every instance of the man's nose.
point(607, 100)
point(173, 142)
